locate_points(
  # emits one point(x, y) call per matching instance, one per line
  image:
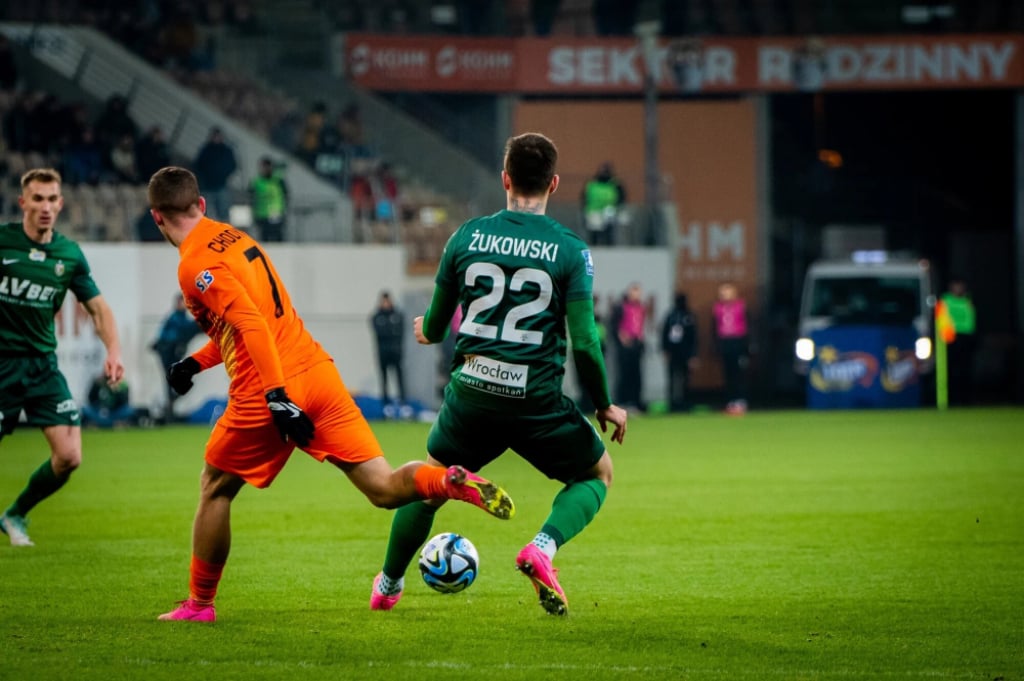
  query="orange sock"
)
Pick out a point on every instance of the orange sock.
point(203, 580)
point(429, 482)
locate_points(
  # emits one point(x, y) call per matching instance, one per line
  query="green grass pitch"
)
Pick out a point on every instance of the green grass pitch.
point(784, 546)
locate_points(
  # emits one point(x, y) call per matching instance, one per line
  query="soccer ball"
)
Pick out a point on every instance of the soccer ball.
point(449, 563)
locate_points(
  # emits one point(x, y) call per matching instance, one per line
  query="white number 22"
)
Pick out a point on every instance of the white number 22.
point(508, 330)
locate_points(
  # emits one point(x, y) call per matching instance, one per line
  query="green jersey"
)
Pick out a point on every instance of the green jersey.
point(513, 275)
point(34, 280)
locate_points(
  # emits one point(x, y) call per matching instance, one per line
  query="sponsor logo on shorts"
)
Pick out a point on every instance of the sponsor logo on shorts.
point(68, 406)
point(494, 376)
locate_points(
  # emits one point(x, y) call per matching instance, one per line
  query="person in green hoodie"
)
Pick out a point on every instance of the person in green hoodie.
point(269, 195)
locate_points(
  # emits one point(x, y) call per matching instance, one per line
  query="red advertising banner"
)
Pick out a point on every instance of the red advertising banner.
point(616, 66)
point(383, 62)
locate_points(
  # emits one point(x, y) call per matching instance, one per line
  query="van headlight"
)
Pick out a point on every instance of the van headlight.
point(923, 348)
point(805, 349)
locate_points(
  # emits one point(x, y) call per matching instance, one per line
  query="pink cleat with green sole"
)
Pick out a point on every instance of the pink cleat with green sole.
point(482, 493)
point(536, 565)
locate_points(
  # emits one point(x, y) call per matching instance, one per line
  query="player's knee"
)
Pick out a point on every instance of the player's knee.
point(383, 498)
point(603, 469)
point(66, 461)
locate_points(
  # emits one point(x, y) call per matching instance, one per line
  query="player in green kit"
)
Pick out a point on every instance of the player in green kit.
point(520, 278)
point(38, 267)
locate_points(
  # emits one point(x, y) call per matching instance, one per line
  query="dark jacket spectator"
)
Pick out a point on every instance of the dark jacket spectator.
point(114, 123)
point(152, 154)
point(213, 166)
point(83, 160)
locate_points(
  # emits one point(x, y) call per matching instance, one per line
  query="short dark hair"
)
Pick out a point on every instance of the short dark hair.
point(530, 161)
point(173, 190)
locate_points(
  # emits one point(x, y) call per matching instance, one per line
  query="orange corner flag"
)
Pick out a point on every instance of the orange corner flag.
point(944, 323)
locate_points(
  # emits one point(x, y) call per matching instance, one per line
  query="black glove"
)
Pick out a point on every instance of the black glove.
point(289, 418)
point(179, 376)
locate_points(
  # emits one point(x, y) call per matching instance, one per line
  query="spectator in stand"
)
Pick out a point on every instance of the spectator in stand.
point(178, 328)
point(268, 194)
point(602, 199)
point(389, 330)
point(152, 153)
point(214, 166)
point(679, 345)
point(54, 126)
point(386, 193)
point(632, 322)
point(350, 126)
point(730, 325)
point(122, 161)
point(76, 119)
point(309, 138)
point(83, 160)
point(114, 122)
point(180, 39)
point(18, 123)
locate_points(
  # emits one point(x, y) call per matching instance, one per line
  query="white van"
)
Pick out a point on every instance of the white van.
point(869, 288)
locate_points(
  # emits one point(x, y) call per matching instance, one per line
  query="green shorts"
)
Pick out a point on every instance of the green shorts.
point(35, 385)
point(561, 443)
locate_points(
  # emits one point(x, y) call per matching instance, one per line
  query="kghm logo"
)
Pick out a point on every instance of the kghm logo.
point(900, 369)
point(841, 372)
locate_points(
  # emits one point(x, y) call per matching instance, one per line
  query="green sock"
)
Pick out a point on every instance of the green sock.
point(573, 509)
point(409, 529)
point(42, 483)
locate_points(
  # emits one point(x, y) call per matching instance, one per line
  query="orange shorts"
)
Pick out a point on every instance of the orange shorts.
point(256, 453)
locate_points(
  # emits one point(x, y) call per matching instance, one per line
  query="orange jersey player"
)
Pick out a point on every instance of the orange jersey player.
point(285, 390)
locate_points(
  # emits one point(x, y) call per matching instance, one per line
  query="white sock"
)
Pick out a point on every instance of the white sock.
point(388, 586)
point(545, 543)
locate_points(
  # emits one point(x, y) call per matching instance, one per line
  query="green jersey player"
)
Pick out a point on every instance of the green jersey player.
point(521, 279)
point(38, 267)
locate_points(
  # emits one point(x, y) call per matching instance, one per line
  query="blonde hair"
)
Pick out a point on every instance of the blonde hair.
point(44, 175)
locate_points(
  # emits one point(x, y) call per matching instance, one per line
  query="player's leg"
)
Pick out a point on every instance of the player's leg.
point(410, 528)
point(454, 433)
point(344, 438)
point(211, 544)
point(49, 405)
point(388, 487)
point(571, 451)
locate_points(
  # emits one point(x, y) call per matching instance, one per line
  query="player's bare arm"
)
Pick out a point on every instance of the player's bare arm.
point(106, 328)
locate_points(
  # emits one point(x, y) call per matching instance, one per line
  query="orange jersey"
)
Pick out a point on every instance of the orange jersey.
point(236, 296)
